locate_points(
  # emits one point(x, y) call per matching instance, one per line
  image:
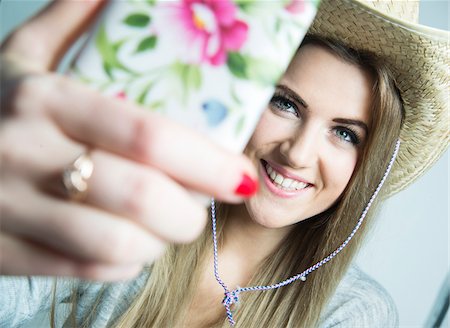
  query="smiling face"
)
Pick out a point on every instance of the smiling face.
point(308, 141)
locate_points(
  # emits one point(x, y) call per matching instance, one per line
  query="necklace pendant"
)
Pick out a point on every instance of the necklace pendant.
point(230, 298)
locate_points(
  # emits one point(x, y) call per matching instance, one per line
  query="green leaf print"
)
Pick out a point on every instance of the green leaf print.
point(263, 71)
point(147, 43)
point(193, 77)
point(190, 75)
point(137, 20)
point(257, 69)
point(237, 64)
point(108, 70)
point(234, 95)
point(244, 5)
point(239, 125)
point(145, 91)
point(278, 24)
point(108, 52)
point(156, 105)
point(116, 45)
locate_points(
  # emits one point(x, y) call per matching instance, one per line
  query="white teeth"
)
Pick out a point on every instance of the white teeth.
point(279, 179)
point(273, 175)
point(282, 182)
point(287, 182)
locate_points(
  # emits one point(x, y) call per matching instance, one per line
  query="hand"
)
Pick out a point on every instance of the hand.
point(145, 166)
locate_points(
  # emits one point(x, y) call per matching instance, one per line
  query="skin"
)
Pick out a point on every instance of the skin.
point(312, 145)
point(140, 194)
point(310, 142)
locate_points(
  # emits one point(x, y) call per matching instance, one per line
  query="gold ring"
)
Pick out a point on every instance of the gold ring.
point(75, 177)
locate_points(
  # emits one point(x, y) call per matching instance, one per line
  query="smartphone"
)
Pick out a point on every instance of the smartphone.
point(210, 64)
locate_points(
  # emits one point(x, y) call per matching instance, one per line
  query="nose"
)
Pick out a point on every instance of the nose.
point(302, 148)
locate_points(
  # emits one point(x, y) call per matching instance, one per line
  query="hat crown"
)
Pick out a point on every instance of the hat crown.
point(407, 10)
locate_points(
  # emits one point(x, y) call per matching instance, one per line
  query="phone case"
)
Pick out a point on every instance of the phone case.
point(211, 64)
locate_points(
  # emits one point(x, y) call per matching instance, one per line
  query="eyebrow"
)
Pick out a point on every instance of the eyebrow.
point(292, 94)
point(301, 101)
point(353, 122)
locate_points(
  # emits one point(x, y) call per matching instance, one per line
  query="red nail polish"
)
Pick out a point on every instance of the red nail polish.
point(247, 187)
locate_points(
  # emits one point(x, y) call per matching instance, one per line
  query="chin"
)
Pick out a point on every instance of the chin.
point(270, 219)
point(269, 224)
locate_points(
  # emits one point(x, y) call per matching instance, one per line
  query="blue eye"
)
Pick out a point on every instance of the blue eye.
point(283, 104)
point(347, 135)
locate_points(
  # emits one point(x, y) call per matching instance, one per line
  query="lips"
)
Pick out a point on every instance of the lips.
point(283, 184)
point(282, 181)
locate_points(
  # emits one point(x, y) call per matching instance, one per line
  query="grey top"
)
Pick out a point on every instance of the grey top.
point(359, 301)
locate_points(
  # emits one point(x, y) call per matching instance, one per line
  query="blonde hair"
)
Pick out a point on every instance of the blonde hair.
point(166, 297)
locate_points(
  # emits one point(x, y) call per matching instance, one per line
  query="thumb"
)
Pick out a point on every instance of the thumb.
point(43, 40)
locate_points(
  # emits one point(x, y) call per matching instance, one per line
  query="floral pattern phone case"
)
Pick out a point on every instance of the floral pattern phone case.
point(211, 64)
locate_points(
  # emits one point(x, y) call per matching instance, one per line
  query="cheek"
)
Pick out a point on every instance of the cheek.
point(260, 135)
point(338, 169)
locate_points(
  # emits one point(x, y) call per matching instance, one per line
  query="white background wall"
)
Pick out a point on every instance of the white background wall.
point(408, 251)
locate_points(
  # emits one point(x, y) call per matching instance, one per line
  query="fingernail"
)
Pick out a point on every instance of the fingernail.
point(247, 187)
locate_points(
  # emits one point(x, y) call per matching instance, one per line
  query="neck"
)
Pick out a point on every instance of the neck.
point(245, 245)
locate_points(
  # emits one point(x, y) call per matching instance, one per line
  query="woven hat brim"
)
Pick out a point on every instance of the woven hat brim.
point(420, 59)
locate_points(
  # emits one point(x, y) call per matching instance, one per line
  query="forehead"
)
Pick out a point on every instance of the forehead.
point(327, 82)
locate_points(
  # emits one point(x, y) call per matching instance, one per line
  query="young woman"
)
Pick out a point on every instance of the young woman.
point(321, 150)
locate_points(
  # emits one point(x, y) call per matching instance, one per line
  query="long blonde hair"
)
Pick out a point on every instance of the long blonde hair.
point(165, 298)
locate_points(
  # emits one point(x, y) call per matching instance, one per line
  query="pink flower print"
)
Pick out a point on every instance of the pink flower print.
point(213, 25)
point(121, 95)
point(296, 6)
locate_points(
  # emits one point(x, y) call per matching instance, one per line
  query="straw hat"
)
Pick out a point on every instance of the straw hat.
point(419, 57)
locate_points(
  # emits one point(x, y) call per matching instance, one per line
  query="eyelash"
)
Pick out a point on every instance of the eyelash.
point(279, 98)
point(353, 135)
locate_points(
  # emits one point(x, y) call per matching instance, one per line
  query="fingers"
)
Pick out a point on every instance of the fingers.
point(76, 230)
point(117, 185)
point(128, 189)
point(43, 40)
point(128, 130)
point(143, 165)
point(90, 243)
point(37, 261)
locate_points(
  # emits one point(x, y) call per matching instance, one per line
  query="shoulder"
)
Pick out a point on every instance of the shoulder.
point(25, 297)
point(102, 303)
point(360, 301)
